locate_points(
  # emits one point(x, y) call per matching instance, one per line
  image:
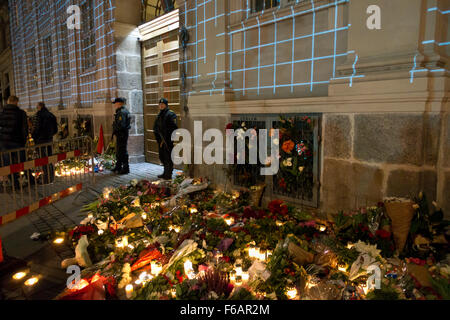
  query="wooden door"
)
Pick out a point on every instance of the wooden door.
point(161, 79)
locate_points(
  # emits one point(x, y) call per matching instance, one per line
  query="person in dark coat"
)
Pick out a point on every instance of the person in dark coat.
point(45, 126)
point(13, 133)
point(121, 126)
point(165, 125)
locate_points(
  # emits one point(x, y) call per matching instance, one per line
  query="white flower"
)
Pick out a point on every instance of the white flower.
point(287, 162)
point(134, 182)
point(367, 248)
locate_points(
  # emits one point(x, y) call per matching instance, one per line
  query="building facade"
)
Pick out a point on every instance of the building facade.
point(380, 95)
point(377, 95)
point(6, 68)
point(78, 71)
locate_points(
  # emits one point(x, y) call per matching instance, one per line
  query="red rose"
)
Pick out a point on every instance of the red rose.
point(383, 234)
point(229, 126)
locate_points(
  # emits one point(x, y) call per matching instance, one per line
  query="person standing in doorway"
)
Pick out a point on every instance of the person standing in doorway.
point(121, 126)
point(45, 126)
point(165, 125)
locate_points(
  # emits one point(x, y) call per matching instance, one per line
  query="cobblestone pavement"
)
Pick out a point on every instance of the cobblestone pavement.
point(43, 258)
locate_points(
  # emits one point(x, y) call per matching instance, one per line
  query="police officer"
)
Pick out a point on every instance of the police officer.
point(165, 124)
point(121, 126)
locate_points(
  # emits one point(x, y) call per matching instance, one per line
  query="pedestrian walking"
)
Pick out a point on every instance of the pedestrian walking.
point(121, 126)
point(165, 125)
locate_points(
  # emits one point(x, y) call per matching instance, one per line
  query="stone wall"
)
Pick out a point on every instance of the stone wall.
point(129, 84)
point(371, 156)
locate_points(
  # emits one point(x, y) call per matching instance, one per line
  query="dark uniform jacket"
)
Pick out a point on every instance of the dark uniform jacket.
point(122, 122)
point(165, 124)
point(13, 127)
point(45, 126)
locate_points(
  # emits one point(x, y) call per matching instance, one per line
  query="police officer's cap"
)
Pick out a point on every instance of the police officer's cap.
point(120, 100)
point(164, 100)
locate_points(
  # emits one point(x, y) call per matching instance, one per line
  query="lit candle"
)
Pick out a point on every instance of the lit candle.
point(364, 288)
point(256, 252)
point(156, 268)
point(229, 221)
point(19, 275)
point(291, 292)
point(193, 210)
point(238, 270)
point(342, 267)
point(144, 216)
point(322, 228)
point(245, 276)
point(58, 240)
point(262, 255)
point(129, 290)
point(31, 282)
point(349, 245)
point(251, 252)
point(177, 229)
point(173, 292)
point(100, 232)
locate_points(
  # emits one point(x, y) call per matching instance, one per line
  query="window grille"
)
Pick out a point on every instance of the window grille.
point(297, 180)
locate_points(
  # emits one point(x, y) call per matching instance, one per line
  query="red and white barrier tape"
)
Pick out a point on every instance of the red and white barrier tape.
point(15, 168)
point(37, 205)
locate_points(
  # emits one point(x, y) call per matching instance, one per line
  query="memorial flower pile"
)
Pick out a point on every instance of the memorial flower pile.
point(185, 240)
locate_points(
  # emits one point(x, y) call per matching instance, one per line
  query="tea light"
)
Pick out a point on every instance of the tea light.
point(129, 290)
point(342, 267)
point(31, 282)
point(177, 229)
point(291, 292)
point(173, 292)
point(229, 221)
point(350, 245)
point(144, 216)
point(100, 232)
point(245, 276)
point(19, 275)
point(279, 223)
point(138, 282)
point(193, 210)
point(322, 228)
point(58, 240)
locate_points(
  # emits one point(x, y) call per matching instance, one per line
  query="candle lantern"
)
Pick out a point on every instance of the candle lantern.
point(129, 291)
point(291, 292)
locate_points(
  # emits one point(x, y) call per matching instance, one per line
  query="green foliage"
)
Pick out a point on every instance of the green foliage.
point(385, 293)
